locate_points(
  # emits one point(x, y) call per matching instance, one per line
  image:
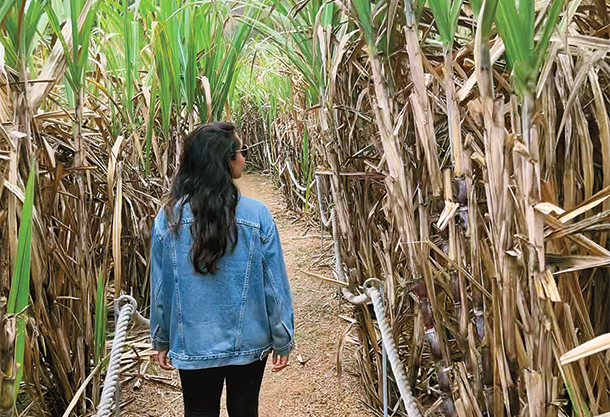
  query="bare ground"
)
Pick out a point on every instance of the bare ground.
point(310, 385)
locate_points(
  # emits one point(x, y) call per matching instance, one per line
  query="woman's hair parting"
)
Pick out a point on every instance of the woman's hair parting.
point(205, 182)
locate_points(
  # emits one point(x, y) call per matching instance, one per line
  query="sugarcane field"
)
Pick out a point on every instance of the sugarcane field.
point(437, 172)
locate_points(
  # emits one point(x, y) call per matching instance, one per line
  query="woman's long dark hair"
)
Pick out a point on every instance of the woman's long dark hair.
point(204, 180)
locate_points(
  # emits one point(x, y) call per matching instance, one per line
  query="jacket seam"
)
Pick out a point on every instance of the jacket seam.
point(177, 290)
point(237, 220)
point(242, 313)
point(219, 355)
point(157, 289)
point(267, 237)
point(267, 270)
point(162, 234)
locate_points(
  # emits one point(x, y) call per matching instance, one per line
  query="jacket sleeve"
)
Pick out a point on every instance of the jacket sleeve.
point(277, 289)
point(159, 320)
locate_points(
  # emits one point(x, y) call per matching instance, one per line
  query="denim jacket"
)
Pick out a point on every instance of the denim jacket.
point(232, 317)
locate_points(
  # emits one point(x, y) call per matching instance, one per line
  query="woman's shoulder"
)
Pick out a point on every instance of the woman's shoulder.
point(251, 204)
point(160, 223)
point(253, 210)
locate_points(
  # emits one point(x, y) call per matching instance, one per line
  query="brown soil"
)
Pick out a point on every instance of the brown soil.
point(310, 386)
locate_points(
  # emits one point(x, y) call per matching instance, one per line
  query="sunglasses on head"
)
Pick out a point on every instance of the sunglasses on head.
point(243, 150)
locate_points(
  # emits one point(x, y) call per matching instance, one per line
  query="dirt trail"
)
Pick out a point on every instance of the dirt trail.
point(310, 385)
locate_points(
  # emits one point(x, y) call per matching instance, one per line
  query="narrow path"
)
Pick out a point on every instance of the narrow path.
point(310, 385)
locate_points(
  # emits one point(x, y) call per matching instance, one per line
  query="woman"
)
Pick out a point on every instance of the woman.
point(220, 299)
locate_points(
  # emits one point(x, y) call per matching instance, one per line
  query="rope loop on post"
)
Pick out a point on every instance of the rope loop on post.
point(372, 282)
point(126, 306)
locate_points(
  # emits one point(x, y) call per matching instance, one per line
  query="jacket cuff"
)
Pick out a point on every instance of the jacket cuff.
point(284, 351)
point(159, 345)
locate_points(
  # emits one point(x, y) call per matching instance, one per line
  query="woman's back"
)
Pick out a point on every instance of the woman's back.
point(233, 316)
point(220, 299)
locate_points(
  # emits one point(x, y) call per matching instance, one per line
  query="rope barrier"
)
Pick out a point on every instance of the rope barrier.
point(371, 288)
point(294, 180)
point(127, 307)
point(325, 221)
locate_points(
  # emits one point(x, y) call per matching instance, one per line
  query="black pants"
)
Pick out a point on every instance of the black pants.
point(202, 389)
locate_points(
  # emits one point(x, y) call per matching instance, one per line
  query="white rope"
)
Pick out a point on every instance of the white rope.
point(294, 180)
point(325, 221)
point(371, 290)
point(127, 307)
point(371, 287)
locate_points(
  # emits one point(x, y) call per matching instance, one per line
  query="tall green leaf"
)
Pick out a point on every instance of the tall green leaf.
point(446, 13)
point(22, 29)
point(100, 319)
point(78, 55)
point(20, 286)
point(488, 8)
point(516, 20)
point(5, 9)
point(363, 10)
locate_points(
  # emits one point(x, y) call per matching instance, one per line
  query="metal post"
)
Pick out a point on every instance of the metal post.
point(385, 382)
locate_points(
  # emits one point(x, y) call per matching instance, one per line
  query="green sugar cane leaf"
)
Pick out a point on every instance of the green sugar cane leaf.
point(299, 55)
point(135, 55)
point(74, 75)
point(199, 24)
point(547, 31)
point(85, 38)
point(127, 53)
point(190, 76)
point(489, 8)
point(165, 80)
point(5, 10)
point(100, 320)
point(527, 15)
point(74, 24)
point(32, 18)
point(305, 154)
point(328, 13)
point(150, 126)
point(165, 104)
point(20, 286)
point(10, 51)
point(55, 27)
point(230, 63)
point(441, 16)
point(456, 6)
point(512, 30)
point(363, 12)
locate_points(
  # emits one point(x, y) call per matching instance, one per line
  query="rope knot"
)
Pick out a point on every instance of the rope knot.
point(124, 300)
point(372, 283)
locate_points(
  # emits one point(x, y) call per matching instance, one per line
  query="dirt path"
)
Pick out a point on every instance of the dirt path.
point(310, 385)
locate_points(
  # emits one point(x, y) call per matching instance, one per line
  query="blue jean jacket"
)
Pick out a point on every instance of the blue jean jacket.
point(232, 317)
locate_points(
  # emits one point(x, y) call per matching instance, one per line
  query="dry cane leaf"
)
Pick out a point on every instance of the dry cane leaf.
point(447, 214)
point(598, 344)
point(550, 286)
point(548, 208)
point(594, 201)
